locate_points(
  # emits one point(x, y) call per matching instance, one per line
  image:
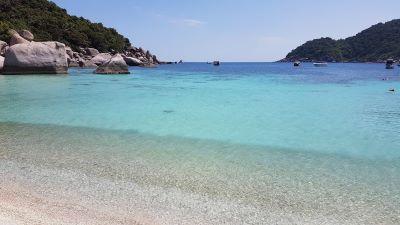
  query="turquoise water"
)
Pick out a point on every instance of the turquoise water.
point(243, 143)
point(342, 109)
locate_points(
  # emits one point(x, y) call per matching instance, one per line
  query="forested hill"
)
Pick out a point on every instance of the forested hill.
point(48, 22)
point(377, 43)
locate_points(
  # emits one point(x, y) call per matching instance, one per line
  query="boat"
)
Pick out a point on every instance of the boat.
point(390, 64)
point(216, 63)
point(297, 63)
point(320, 64)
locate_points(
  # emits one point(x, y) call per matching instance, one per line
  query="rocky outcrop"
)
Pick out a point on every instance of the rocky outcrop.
point(1, 63)
point(36, 58)
point(101, 58)
point(24, 56)
point(27, 35)
point(69, 52)
point(145, 57)
point(92, 58)
point(87, 64)
point(131, 61)
point(72, 62)
point(91, 52)
point(116, 65)
point(16, 38)
point(89, 57)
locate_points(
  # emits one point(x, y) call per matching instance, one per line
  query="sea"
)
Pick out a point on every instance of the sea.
point(239, 143)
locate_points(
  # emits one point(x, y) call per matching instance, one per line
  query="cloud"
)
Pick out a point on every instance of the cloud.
point(188, 22)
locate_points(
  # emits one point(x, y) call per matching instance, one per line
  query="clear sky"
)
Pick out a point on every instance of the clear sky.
point(231, 30)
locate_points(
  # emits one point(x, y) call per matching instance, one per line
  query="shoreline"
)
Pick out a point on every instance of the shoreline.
point(104, 177)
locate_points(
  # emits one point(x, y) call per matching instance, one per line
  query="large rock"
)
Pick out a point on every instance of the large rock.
point(130, 61)
point(36, 58)
point(72, 62)
point(16, 38)
point(27, 35)
point(87, 64)
point(92, 52)
point(143, 59)
point(116, 65)
point(1, 63)
point(3, 46)
point(155, 60)
point(69, 52)
point(101, 58)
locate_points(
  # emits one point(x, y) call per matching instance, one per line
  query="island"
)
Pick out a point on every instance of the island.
point(375, 44)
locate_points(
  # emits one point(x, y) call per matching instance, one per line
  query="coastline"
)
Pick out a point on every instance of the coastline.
point(96, 130)
point(73, 175)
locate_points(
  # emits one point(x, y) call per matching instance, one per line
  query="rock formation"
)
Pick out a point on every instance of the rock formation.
point(16, 38)
point(131, 61)
point(1, 63)
point(101, 58)
point(145, 57)
point(27, 35)
point(91, 52)
point(24, 57)
point(87, 64)
point(116, 65)
point(29, 57)
point(72, 63)
point(3, 47)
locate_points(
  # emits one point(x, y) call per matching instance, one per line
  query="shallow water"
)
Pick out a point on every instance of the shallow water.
point(316, 143)
point(343, 109)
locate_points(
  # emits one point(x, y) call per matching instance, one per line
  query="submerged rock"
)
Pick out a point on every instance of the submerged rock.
point(27, 35)
point(36, 58)
point(101, 58)
point(116, 65)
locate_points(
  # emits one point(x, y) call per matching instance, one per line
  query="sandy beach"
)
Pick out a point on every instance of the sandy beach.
point(85, 176)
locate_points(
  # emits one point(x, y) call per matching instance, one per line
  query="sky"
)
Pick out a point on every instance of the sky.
point(231, 30)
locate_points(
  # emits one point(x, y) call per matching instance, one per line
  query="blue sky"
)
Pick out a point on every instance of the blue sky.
point(231, 30)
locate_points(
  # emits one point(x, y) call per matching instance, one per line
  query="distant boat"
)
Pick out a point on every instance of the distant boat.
point(209, 63)
point(321, 64)
point(390, 64)
point(297, 63)
point(216, 63)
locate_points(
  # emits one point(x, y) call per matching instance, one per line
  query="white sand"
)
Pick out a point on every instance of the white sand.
point(71, 176)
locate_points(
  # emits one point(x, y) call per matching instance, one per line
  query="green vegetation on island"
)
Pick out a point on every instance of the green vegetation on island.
point(51, 23)
point(375, 44)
